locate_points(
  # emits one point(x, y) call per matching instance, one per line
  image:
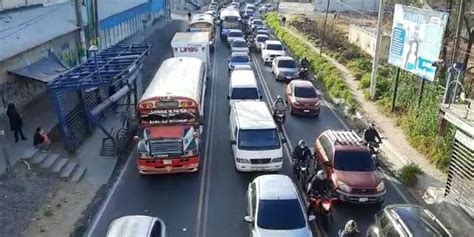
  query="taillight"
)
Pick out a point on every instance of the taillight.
point(327, 205)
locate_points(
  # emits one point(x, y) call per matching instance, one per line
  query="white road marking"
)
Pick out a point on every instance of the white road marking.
point(201, 218)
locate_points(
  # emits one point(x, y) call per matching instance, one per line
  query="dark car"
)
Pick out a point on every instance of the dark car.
point(350, 167)
point(401, 220)
point(302, 98)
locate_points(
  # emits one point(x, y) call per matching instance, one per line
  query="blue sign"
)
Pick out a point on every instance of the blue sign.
point(417, 36)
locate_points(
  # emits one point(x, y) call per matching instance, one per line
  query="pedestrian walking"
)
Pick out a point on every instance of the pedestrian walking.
point(41, 140)
point(283, 21)
point(189, 16)
point(16, 122)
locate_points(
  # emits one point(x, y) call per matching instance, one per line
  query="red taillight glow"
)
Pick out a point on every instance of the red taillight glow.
point(327, 205)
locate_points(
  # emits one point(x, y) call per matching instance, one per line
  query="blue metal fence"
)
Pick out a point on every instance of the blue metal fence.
point(78, 91)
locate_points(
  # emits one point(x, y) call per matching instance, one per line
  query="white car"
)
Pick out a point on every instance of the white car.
point(239, 45)
point(234, 34)
point(285, 68)
point(137, 226)
point(256, 23)
point(274, 208)
point(242, 67)
point(260, 40)
point(272, 49)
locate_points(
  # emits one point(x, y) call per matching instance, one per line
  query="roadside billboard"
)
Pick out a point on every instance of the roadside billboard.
point(417, 37)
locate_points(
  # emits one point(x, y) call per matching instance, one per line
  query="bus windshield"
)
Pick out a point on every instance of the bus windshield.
point(164, 116)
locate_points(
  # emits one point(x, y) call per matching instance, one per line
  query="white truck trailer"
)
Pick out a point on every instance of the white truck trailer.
point(192, 44)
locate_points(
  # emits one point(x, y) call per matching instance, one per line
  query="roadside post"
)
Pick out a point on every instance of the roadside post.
point(395, 90)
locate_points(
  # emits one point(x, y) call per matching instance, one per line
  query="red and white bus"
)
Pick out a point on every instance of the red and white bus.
point(169, 115)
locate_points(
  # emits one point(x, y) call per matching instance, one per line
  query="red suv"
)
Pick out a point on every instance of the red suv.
point(349, 166)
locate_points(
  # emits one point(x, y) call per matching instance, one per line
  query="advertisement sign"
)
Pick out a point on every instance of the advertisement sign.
point(417, 37)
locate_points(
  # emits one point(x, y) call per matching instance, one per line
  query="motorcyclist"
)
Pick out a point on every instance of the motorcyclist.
point(318, 184)
point(189, 16)
point(304, 63)
point(371, 135)
point(301, 155)
point(279, 107)
point(350, 230)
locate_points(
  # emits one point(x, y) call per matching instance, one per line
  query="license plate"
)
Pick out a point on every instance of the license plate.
point(363, 199)
point(306, 110)
point(167, 162)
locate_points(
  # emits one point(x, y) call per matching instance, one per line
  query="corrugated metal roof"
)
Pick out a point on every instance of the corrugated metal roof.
point(27, 28)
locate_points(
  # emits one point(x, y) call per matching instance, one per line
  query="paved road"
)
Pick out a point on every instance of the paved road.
point(211, 202)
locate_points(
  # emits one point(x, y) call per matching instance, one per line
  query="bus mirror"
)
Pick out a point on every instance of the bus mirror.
point(233, 142)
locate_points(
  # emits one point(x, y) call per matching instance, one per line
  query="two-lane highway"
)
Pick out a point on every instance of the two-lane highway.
point(211, 202)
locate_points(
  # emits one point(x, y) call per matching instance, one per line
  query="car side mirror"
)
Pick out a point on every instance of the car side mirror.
point(249, 219)
point(260, 97)
point(233, 142)
point(311, 217)
point(201, 120)
point(228, 97)
point(283, 140)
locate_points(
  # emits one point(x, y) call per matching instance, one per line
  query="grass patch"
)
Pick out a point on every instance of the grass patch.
point(408, 174)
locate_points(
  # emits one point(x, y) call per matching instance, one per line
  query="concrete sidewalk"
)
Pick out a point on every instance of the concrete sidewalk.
point(430, 187)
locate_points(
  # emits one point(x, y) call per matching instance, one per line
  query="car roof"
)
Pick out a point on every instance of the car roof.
point(302, 83)
point(239, 39)
point(253, 115)
point(243, 79)
point(276, 187)
point(137, 225)
point(285, 58)
point(273, 42)
point(261, 35)
point(345, 140)
point(409, 215)
point(235, 30)
point(242, 67)
point(239, 54)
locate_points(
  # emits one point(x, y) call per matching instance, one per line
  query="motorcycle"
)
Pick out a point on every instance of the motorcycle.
point(279, 116)
point(303, 74)
point(374, 148)
point(301, 171)
point(321, 206)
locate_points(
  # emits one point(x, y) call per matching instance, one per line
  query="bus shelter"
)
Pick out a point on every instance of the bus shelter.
point(82, 95)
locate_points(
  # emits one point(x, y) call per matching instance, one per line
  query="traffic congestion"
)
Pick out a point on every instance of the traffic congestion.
point(258, 149)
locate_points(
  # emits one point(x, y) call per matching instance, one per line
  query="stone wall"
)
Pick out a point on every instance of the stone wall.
point(364, 38)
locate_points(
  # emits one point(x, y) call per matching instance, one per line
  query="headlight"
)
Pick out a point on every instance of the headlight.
point(344, 187)
point(240, 160)
point(316, 104)
point(278, 159)
point(380, 187)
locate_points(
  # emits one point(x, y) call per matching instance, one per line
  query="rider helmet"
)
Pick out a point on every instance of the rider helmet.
point(302, 143)
point(321, 175)
point(371, 125)
point(279, 97)
point(350, 226)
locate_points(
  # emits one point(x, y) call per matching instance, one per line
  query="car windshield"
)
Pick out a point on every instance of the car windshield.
point(280, 215)
point(238, 43)
point(305, 92)
point(258, 22)
point(287, 64)
point(244, 94)
point(235, 34)
point(240, 59)
point(420, 223)
point(353, 161)
point(261, 39)
point(258, 139)
point(274, 47)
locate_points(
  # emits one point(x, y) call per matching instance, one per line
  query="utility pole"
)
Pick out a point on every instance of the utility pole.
point(80, 24)
point(454, 54)
point(324, 28)
point(375, 62)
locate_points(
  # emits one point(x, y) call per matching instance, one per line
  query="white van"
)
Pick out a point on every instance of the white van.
point(255, 139)
point(243, 86)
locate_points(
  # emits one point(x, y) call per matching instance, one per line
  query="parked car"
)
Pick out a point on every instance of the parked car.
point(350, 167)
point(234, 34)
point(272, 49)
point(260, 40)
point(274, 208)
point(238, 58)
point(285, 68)
point(239, 45)
point(401, 220)
point(302, 98)
point(137, 226)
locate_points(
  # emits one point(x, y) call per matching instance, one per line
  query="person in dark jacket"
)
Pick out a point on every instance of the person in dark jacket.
point(371, 134)
point(41, 140)
point(16, 122)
